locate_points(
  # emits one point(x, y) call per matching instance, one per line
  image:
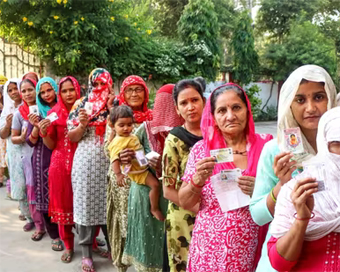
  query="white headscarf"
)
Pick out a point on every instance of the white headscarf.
point(326, 203)
point(8, 102)
point(288, 91)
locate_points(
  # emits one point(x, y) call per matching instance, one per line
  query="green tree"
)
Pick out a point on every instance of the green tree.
point(245, 58)
point(198, 27)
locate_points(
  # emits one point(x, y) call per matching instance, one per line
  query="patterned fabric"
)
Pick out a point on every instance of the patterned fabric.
point(98, 96)
point(179, 222)
point(60, 184)
point(139, 116)
point(89, 179)
point(3, 153)
point(145, 234)
point(24, 108)
point(43, 107)
point(220, 241)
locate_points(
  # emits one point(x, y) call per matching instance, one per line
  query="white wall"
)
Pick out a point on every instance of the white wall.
point(264, 94)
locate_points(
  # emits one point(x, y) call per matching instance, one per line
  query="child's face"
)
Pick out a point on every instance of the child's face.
point(124, 126)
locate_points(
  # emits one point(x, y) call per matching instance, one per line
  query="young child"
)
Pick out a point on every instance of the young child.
point(121, 122)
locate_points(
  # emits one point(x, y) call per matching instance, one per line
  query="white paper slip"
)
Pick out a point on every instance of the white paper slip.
point(34, 109)
point(317, 171)
point(89, 108)
point(140, 156)
point(222, 155)
point(152, 155)
point(52, 117)
point(228, 194)
point(11, 109)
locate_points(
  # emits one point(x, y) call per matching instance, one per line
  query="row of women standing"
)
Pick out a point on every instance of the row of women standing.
point(183, 128)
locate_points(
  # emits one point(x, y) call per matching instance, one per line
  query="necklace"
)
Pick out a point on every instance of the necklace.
point(242, 153)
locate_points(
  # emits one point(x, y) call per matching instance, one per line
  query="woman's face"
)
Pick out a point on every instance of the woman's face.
point(309, 104)
point(13, 91)
point(68, 93)
point(28, 93)
point(190, 105)
point(334, 147)
point(47, 93)
point(230, 113)
point(98, 83)
point(134, 96)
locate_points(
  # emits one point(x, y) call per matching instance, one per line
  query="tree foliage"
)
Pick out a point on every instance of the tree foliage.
point(245, 58)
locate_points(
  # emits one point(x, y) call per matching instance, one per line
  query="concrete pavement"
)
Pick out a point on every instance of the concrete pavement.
point(18, 253)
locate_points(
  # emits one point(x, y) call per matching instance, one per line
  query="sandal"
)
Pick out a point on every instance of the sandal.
point(87, 265)
point(22, 217)
point(29, 226)
point(38, 235)
point(102, 252)
point(67, 256)
point(57, 245)
point(100, 242)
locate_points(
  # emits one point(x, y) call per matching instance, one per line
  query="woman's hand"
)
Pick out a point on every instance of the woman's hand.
point(83, 118)
point(246, 184)
point(283, 167)
point(156, 163)
point(33, 119)
point(121, 180)
point(43, 126)
point(23, 134)
point(302, 197)
point(126, 156)
point(204, 170)
point(9, 119)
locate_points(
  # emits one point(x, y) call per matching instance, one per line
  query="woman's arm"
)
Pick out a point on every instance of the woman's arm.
point(32, 136)
point(6, 130)
point(44, 126)
point(77, 133)
point(18, 136)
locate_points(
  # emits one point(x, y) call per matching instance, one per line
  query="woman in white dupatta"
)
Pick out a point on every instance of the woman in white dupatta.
point(306, 226)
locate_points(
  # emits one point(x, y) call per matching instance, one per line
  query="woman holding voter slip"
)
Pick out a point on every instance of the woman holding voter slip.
point(46, 97)
point(306, 226)
point(220, 174)
point(86, 126)
point(54, 133)
point(305, 96)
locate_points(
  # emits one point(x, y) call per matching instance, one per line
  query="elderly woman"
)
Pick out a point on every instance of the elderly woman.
point(89, 180)
point(223, 241)
point(306, 225)
point(189, 101)
point(135, 94)
point(305, 96)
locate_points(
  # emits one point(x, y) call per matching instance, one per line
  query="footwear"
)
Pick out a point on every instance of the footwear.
point(100, 242)
point(67, 256)
point(87, 265)
point(102, 252)
point(22, 217)
point(38, 235)
point(57, 245)
point(29, 226)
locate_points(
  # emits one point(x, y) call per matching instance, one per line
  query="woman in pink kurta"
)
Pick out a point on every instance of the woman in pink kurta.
point(223, 241)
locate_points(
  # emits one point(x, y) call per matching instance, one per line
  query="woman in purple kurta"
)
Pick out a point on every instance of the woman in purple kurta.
point(46, 98)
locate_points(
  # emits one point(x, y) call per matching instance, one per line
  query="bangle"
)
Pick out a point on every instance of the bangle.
point(304, 219)
point(196, 193)
point(195, 185)
point(272, 195)
point(33, 137)
point(41, 135)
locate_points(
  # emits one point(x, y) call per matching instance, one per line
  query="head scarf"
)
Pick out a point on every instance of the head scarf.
point(3, 79)
point(164, 119)
point(24, 108)
point(43, 107)
point(98, 96)
point(213, 138)
point(60, 108)
point(139, 116)
point(26, 74)
point(326, 203)
point(8, 102)
point(289, 89)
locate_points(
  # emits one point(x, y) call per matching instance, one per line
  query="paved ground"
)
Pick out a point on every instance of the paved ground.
point(18, 253)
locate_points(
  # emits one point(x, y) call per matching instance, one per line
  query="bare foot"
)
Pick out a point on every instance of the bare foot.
point(158, 215)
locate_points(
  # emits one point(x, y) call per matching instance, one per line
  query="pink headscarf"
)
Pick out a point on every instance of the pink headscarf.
point(213, 138)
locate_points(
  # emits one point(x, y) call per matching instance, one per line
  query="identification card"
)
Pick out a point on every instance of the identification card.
point(293, 140)
point(34, 109)
point(140, 156)
point(230, 175)
point(52, 117)
point(317, 171)
point(89, 108)
point(222, 155)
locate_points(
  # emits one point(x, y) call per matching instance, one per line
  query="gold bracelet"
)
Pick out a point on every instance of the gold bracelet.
point(272, 195)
